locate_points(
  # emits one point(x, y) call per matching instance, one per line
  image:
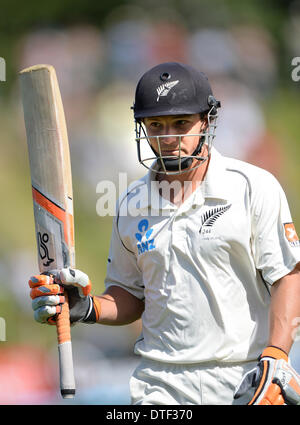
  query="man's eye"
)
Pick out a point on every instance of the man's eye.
point(181, 122)
point(155, 125)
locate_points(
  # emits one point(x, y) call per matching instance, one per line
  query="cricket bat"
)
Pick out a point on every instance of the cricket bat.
point(51, 180)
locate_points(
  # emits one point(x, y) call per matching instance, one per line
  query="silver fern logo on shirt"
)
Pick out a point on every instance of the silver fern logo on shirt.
point(163, 89)
point(209, 218)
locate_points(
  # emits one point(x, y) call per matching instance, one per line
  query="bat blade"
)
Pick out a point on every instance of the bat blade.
point(51, 180)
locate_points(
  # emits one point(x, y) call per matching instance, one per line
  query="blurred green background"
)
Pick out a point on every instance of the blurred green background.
point(99, 50)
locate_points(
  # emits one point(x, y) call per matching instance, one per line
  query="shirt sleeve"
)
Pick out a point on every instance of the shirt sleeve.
point(122, 269)
point(275, 243)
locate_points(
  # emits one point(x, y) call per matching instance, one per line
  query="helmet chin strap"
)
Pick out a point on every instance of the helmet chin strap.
point(175, 164)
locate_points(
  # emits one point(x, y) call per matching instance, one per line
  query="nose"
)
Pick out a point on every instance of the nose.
point(169, 140)
point(169, 129)
point(169, 136)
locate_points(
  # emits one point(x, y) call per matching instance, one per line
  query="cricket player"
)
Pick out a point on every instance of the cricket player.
point(204, 250)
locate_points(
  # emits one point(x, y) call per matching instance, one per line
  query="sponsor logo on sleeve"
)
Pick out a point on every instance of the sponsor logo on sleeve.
point(291, 234)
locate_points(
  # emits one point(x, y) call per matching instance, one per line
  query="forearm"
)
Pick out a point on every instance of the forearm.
point(119, 307)
point(284, 310)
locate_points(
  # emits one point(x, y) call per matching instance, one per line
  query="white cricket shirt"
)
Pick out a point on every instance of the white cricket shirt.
point(204, 269)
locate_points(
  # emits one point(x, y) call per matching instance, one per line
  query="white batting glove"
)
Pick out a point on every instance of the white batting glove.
point(273, 380)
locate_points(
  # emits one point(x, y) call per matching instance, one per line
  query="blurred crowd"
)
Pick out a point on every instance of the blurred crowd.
point(98, 70)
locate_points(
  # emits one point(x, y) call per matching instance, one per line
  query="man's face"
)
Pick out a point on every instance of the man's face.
point(189, 126)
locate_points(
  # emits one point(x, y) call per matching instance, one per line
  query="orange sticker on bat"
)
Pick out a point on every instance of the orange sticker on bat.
point(291, 234)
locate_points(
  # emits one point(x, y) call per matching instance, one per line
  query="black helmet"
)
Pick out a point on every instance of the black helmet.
point(172, 88)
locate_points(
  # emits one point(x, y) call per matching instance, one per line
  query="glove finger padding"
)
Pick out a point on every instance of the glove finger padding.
point(46, 290)
point(39, 280)
point(47, 294)
point(46, 298)
point(47, 314)
point(74, 277)
point(50, 300)
point(274, 381)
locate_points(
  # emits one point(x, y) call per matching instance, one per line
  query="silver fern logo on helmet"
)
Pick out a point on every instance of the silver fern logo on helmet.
point(164, 89)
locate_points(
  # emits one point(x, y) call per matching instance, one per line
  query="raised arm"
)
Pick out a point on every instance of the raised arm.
point(115, 306)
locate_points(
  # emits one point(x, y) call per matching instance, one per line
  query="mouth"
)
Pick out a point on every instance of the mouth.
point(174, 152)
point(169, 149)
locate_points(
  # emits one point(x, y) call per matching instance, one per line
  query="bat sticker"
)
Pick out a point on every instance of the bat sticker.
point(43, 249)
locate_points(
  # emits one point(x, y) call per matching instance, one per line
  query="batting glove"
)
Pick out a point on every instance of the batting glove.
point(274, 381)
point(47, 296)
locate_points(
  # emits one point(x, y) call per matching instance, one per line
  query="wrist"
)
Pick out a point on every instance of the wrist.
point(93, 313)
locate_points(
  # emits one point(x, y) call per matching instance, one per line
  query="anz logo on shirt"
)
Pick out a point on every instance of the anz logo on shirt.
point(145, 242)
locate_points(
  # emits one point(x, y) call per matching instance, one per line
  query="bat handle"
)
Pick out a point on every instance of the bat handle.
point(67, 381)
